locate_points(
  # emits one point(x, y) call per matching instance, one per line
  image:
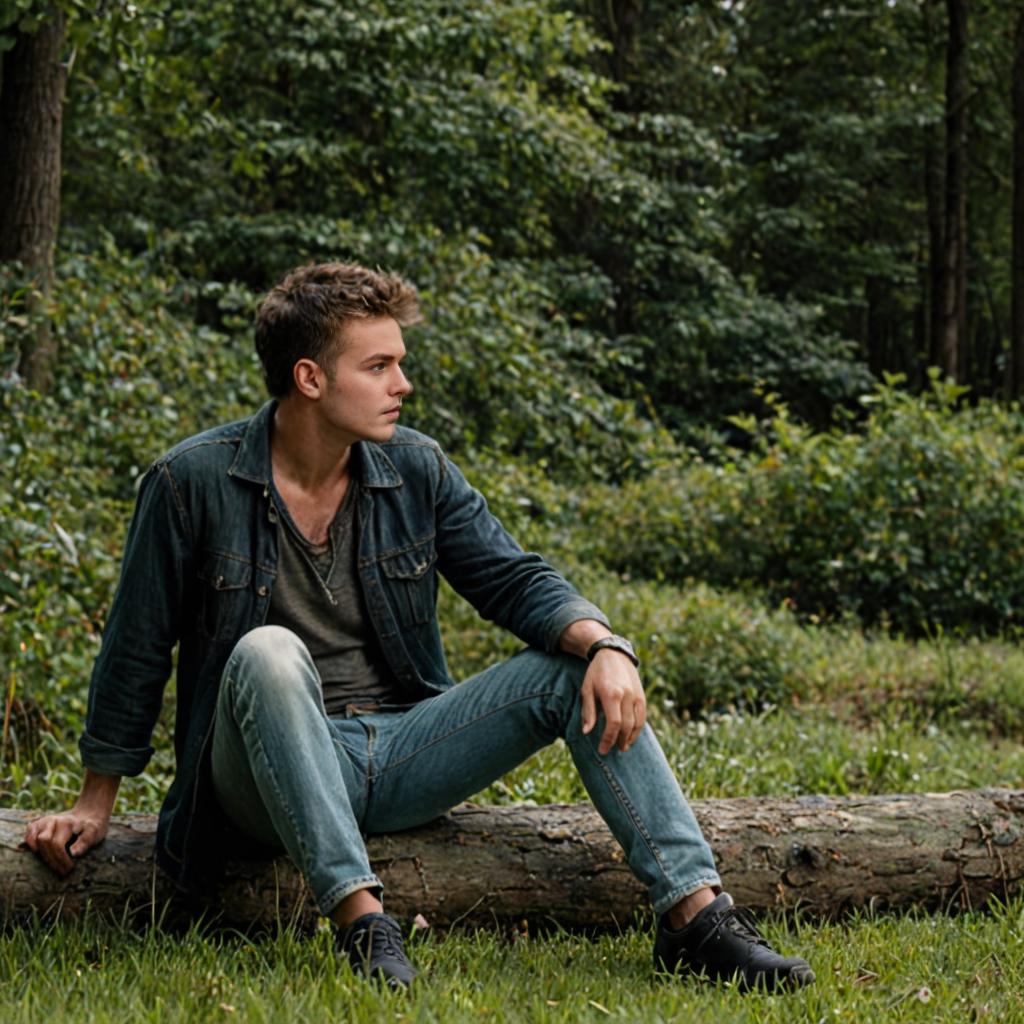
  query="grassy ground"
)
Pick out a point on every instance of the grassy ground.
point(909, 969)
point(806, 750)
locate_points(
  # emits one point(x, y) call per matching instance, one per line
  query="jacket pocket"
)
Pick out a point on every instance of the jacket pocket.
point(411, 582)
point(225, 595)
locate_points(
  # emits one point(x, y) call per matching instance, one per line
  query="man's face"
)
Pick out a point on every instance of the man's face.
point(364, 383)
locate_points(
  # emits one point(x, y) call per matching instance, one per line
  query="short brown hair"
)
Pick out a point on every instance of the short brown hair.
point(304, 316)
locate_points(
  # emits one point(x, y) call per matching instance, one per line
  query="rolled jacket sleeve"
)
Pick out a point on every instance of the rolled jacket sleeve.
point(507, 585)
point(107, 759)
point(134, 663)
point(568, 613)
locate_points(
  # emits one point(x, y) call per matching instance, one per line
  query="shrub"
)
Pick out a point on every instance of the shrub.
point(916, 520)
point(133, 378)
point(700, 650)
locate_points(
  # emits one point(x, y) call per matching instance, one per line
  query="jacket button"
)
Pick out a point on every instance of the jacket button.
point(262, 590)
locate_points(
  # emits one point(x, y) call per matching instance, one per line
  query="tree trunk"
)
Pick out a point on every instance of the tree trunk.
point(31, 107)
point(949, 338)
point(934, 186)
point(559, 863)
point(1017, 218)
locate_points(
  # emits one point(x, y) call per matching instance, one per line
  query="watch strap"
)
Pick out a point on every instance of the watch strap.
point(615, 643)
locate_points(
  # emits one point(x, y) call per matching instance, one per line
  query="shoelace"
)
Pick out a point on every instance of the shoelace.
point(739, 920)
point(377, 937)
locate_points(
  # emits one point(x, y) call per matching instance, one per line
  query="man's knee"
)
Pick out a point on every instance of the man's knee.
point(270, 659)
point(557, 679)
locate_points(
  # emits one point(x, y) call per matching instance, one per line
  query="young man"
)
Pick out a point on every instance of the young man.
point(293, 558)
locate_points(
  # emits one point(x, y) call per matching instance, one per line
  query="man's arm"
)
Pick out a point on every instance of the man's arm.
point(86, 823)
point(521, 592)
point(612, 682)
point(485, 564)
point(126, 689)
point(144, 623)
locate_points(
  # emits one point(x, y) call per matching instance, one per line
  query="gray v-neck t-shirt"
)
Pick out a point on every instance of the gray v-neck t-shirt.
point(317, 595)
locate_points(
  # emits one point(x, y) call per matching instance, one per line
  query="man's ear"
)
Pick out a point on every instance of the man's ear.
point(309, 378)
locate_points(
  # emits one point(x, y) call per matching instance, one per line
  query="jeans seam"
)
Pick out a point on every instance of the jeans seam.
point(630, 810)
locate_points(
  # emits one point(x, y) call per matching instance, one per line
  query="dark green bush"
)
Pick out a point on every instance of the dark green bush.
point(915, 520)
point(133, 378)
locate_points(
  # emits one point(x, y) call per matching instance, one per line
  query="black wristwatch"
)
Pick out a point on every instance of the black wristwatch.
point(616, 643)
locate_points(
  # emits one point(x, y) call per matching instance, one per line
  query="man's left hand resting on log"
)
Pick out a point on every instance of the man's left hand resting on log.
point(59, 838)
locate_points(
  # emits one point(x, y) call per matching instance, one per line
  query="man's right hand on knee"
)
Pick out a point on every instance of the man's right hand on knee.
point(60, 838)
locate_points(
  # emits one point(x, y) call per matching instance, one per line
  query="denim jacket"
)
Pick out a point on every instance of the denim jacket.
point(199, 565)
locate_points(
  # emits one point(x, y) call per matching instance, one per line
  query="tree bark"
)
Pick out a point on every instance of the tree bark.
point(953, 283)
point(623, 17)
point(31, 109)
point(934, 185)
point(1017, 218)
point(484, 865)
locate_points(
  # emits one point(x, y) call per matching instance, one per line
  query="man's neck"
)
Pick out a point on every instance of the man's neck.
point(302, 453)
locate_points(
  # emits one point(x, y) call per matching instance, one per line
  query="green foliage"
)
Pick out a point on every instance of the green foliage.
point(133, 380)
point(913, 520)
point(503, 364)
point(373, 107)
point(239, 141)
point(660, 227)
point(138, 374)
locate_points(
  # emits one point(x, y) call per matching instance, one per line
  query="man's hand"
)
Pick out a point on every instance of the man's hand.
point(613, 683)
point(59, 838)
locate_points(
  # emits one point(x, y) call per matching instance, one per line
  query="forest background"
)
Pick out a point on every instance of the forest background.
point(724, 313)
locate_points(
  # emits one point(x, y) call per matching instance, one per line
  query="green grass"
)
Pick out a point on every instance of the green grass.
point(792, 751)
point(914, 968)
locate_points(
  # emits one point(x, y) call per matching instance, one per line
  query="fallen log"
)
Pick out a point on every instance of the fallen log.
point(484, 865)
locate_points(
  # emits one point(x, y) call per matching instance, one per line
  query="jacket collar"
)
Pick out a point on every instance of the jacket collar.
point(371, 464)
point(373, 467)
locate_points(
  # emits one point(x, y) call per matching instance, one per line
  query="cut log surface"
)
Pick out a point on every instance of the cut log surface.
point(487, 865)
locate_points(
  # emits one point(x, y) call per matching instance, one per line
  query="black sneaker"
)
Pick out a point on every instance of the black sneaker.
point(374, 947)
point(722, 943)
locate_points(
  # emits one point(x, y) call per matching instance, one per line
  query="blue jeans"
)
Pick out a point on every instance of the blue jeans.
point(291, 777)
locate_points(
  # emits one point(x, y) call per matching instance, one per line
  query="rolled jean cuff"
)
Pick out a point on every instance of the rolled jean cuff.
point(337, 893)
point(665, 903)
